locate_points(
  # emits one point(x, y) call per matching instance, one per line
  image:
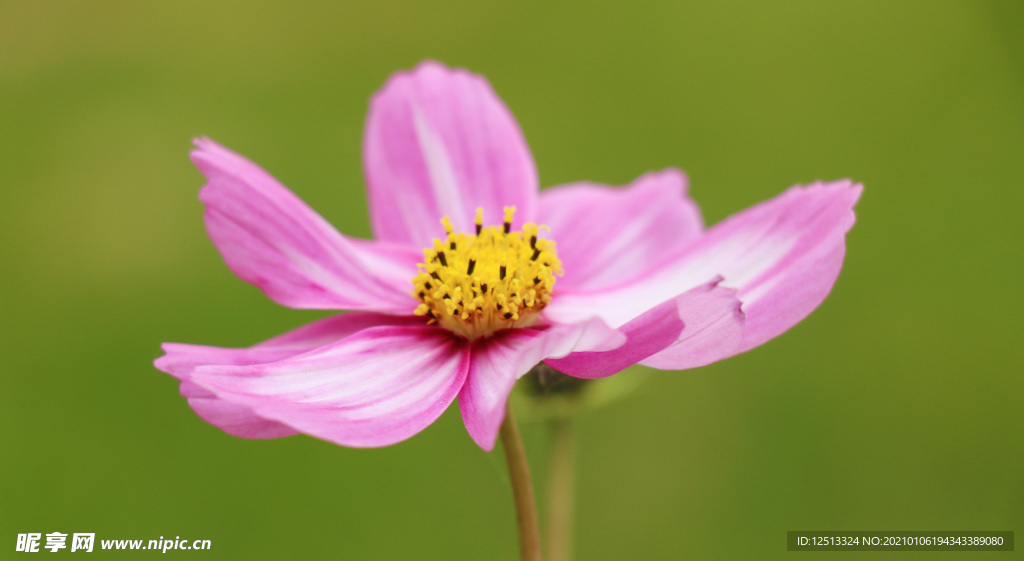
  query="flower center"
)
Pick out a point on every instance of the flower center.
point(476, 284)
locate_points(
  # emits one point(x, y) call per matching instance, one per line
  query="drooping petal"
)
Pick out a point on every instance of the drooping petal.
point(181, 360)
point(234, 419)
point(782, 256)
point(606, 235)
point(376, 387)
point(272, 239)
point(498, 361)
point(439, 142)
point(698, 327)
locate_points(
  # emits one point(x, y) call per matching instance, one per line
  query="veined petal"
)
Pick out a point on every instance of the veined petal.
point(439, 142)
point(376, 387)
point(272, 239)
point(606, 235)
point(698, 327)
point(498, 361)
point(782, 256)
point(234, 419)
point(181, 360)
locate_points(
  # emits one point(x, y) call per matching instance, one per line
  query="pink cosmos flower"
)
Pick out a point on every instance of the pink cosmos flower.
point(639, 278)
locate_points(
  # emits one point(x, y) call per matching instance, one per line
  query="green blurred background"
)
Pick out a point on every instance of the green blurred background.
point(895, 406)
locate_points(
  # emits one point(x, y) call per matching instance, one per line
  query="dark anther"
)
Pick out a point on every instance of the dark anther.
point(427, 285)
point(483, 288)
point(536, 254)
point(479, 228)
point(536, 280)
point(501, 273)
point(444, 260)
point(533, 242)
point(451, 245)
point(472, 265)
point(422, 295)
point(508, 226)
point(430, 314)
point(436, 276)
point(508, 315)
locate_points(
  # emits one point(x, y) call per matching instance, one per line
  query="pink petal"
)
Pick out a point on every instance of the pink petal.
point(272, 239)
point(439, 142)
point(714, 329)
point(237, 420)
point(500, 360)
point(181, 360)
point(782, 256)
point(698, 327)
point(376, 387)
point(605, 235)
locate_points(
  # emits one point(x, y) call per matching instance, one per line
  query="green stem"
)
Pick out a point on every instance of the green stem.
point(560, 491)
point(522, 488)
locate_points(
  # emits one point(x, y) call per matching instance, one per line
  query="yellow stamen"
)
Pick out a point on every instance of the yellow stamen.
point(476, 284)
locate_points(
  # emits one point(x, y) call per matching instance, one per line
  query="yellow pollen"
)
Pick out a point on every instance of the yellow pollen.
point(496, 278)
